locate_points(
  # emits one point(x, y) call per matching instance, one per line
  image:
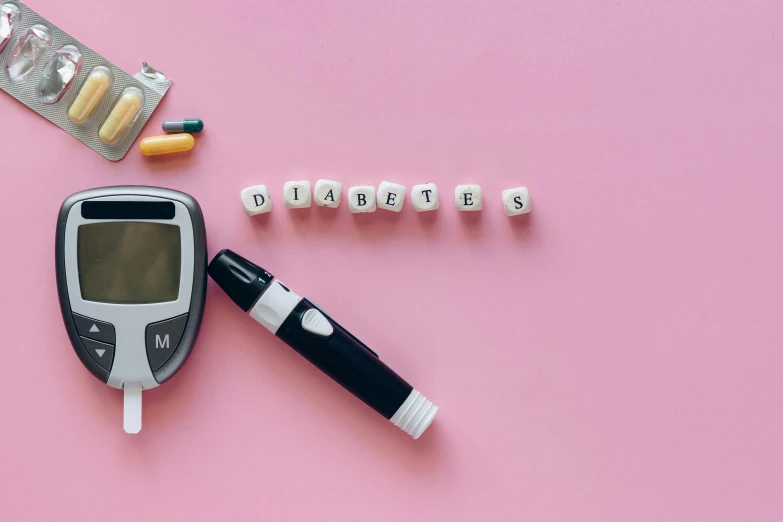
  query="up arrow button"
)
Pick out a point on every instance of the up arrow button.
point(94, 329)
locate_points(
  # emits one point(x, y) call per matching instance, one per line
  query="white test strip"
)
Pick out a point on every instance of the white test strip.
point(132, 407)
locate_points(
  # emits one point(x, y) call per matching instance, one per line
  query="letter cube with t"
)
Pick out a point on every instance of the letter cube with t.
point(516, 201)
point(468, 197)
point(256, 200)
point(361, 199)
point(425, 197)
point(391, 196)
point(297, 194)
point(328, 193)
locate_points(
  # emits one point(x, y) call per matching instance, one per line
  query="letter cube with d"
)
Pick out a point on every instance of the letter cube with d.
point(256, 200)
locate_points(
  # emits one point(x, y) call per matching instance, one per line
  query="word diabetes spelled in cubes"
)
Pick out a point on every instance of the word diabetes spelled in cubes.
point(388, 196)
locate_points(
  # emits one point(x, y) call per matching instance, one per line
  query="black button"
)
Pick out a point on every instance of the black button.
point(162, 339)
point(102, 353)
point(95, 330)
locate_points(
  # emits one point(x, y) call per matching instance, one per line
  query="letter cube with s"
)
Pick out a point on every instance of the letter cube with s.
point(516, 201)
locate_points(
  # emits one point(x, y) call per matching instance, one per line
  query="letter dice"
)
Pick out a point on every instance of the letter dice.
point(296, 194)
point(468, 197)
point(391, 196)
point(516, 201)
point(328, 193)
point(425, 197)
point(256, 200)
point(361, 199)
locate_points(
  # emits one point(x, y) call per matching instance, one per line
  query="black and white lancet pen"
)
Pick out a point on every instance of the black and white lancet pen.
point(319, 339)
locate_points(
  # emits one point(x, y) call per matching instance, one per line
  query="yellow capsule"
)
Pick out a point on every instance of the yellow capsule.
point(122, 115)
point(92, 91)
point(166, 144)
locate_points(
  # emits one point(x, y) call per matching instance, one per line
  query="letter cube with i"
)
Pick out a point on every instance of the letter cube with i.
point(296, 194)
point(256, 200)
point(468, 197)
point(391, 196)
point(328, 193)
point(425, 197)
point(516, 201)
point(361, 199)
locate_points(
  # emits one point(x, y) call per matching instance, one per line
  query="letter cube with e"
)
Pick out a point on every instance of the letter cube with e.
point(296, 194)
point(328, 193)
point(468, 197)
point(391, 196)
point(516, 201)
point(256, 200)
point(425, 197)
point(361, 199)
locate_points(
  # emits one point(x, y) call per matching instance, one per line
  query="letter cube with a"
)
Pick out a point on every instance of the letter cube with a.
point(328, 193)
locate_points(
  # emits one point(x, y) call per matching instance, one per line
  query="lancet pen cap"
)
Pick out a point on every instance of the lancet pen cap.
point(243, 281)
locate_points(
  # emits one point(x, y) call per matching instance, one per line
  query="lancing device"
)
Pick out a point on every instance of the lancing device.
point(319, 339)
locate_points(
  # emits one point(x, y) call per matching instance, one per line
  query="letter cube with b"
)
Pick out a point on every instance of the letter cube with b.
point(391, 196)
point(328, 193)
point(516, 201)
point(468, 197)
point(256, 200)
point(296, 194)
point(425, 197)
point(361, 199)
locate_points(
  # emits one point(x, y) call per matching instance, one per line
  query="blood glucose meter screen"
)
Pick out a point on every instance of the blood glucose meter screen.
point(129, 262)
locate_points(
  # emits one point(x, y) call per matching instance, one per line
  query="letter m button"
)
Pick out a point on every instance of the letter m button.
point(162, 340)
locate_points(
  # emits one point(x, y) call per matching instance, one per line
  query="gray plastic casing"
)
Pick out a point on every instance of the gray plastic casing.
point(130, 321)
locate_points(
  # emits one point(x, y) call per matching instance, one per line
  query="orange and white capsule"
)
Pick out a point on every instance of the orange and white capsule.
point(166, 144)
point(122, 116)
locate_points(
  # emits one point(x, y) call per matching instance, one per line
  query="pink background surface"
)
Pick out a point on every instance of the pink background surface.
point(614, 356)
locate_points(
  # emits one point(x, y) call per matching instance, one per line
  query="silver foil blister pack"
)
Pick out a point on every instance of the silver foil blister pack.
point(71, 85)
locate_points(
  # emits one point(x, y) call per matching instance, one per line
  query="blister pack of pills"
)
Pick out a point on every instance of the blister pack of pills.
point(71, 85)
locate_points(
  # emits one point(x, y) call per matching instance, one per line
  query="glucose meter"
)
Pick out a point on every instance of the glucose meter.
point(131, 277)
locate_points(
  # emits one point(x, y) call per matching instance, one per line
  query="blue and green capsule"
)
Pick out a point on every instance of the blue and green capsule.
point(186, 125)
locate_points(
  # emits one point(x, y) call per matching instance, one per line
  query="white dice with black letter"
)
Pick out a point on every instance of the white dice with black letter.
point(256, 200)
point(391, 196)
point(468, 197)
point(328, 193)
point(516, 201)
point(296, 194)
point(424, 197)
point(361, 199)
